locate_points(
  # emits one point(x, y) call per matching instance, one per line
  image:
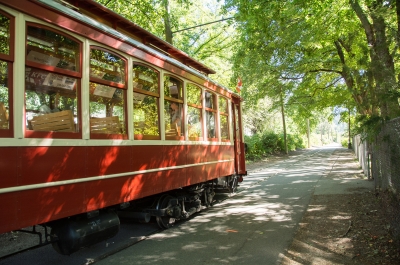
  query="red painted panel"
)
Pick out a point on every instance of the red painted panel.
point(196, 174)
point(174, 155)
point(147, 157)
point(212, 152)
point(146, 184)
point(104, 160)
point(42, 205)
point(103, 193)
point(47, 164)
point(8, 212)
point(44, 164)
point(174, 179)
point(8, 167)
point(197, 154)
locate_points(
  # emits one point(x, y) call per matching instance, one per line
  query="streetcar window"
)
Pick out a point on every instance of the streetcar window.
point(6, 64)
point(4, 96)
point(145, 79)
point(107, 94)
point(194, 112)
point(223, 118)
point(107, 66)
point(173, 108)
point(4, 35)
point(146, 103)
point(51, 83)
point(210, 108)
point(172, 87)
point(46, 47)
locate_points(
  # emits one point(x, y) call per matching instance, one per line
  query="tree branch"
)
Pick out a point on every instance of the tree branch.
point(364, 21)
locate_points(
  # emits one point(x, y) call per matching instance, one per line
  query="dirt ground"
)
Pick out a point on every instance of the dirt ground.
point(344, 229)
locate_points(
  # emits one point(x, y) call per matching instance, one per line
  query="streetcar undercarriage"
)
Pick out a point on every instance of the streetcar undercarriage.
point(71, 234)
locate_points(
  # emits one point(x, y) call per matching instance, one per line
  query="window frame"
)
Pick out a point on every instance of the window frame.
point(226, 114)
point(9, 60)
point(196, 106)
point(52, 69)
point(213, 110)
point(123, 86)
point(151, 94)
point(178, 101)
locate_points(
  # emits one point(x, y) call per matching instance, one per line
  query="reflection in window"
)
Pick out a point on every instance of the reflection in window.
point(4, 35)
point(223, 110)
point(107, 93)
point(146, 103)
point(210, 114)
point(107, 66)
point(173, 108)
point(145, 78)
point(106, 109)
point(173, 120)
point(4, 96)
point(172, 87)
point(50, 94)
point(145, 116)
point(194, 112)
point(49, 48)
point(50, 101)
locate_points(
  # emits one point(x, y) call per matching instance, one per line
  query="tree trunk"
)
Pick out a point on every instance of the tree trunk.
point(283, 122)
point(382, 64)
point(167, 23)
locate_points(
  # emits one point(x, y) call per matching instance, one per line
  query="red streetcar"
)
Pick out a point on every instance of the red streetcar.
point(99, 119)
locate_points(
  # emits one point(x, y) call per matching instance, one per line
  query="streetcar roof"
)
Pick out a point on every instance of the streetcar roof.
point(136, 30)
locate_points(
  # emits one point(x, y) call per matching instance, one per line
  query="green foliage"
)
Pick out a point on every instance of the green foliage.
point(268, 143)
point(368, 126)
point(345, 143)
point(319, 53)
point(211, 44)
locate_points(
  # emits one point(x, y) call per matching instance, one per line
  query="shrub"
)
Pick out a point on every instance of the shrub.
point(267, 143)
point(345, 143)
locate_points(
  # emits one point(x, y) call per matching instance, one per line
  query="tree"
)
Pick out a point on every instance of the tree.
point(317, 50)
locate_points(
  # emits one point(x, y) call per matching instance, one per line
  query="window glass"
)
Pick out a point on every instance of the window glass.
point(210, 100)
point(172, 87)
point(50, 94)
point(223, 110)
point(4, 96)
point(224, 127)
point(145, 78)
point(4, 35)
point(210, 115)
point(193, 95)
point(210, 123)
point(194, 112)
point(50, 101)
point(173, 108)
point(49, 48)
point(194, 123)
point(223, 105)
point(145, 116)
point(107, 66)
point(107, 94)
point(146, 103)
point(107, 109)
point(173, 120)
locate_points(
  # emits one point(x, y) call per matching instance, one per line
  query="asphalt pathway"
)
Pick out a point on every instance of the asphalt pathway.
point(254, 226)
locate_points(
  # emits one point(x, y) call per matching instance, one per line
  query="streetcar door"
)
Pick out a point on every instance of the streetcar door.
point(238, 138)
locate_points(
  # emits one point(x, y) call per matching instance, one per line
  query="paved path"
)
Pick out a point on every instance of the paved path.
point(253, 227)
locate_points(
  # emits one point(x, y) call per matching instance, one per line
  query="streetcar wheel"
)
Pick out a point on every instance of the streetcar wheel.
point(234, 184)
point(164, 221)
